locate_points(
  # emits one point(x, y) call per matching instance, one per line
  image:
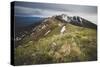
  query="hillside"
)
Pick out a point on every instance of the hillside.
point(47, 44)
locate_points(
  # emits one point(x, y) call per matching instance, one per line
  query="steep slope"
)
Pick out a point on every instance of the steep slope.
point(47, 44)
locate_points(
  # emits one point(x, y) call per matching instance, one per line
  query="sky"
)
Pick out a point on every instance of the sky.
point(34, 9)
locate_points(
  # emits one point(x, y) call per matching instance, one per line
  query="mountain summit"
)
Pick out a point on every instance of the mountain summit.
point(76, 20)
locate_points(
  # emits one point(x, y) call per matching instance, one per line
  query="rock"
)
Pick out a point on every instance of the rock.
point(60, 24)
point(33, 54)
point(43, 27)
point(18, 38)
point(47, 32)
point(63, 30)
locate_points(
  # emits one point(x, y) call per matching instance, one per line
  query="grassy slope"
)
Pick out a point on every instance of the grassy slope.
point(76, 44)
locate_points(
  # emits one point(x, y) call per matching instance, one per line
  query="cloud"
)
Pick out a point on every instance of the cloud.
point(19, 10)
point(26, 11)
point(59, 7)
point(88, 12)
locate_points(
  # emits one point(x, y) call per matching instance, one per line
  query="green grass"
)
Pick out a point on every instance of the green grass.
point(76, 44)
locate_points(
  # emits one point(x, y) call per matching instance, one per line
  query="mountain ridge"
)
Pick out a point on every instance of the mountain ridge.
point(55, 40)
point(47, 24)
point(76, 20)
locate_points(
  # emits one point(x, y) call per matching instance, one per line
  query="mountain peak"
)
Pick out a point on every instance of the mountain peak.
point(76, 20)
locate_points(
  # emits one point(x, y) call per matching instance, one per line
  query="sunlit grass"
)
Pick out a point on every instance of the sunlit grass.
point(76, 44)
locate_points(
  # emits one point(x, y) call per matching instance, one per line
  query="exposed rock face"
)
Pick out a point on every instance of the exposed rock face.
point(63, 30)
point(76, 20)
point(66, 18)
point(47, 32)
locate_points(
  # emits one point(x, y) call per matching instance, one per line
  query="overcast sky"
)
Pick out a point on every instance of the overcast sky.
point(45, 10)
